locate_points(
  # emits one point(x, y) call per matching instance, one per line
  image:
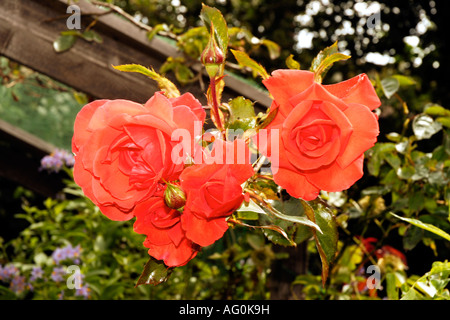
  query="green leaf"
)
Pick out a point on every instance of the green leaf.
point(425, 226)
point(327, 240)
point(165, 84)
point(377, 155)
point(412, 237)
point(183, 73)
point(404, 80)
point(193, 41)
point(155, 30)
point(445, 121)
point(391, 287)
point(242, 114)
point(297, 219)
point(249, 211)
point(71, 33)
point(264, 119)
point(154, 273)
point(91, 35)
point(291, 63)
point(390, 86)
point(437, 110)
point(275, 231)
point(293, 232)
point(64, 42)
point(212, 15)
point(245, 61)
point(325, 60)
point(424, 126)
point(272, 47)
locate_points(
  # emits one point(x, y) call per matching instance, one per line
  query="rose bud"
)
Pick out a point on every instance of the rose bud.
point(212, 56)
point(174, 197)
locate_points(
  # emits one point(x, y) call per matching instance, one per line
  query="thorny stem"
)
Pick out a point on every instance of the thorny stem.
point(259, 163)
point(215, 106)
point(261, 200)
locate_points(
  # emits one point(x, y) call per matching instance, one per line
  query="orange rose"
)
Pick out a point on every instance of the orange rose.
point(323, 131)
point(213, 190)
point(123, 149)
point(165, 238)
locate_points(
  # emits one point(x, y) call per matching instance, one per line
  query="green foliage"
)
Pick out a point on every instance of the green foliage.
point(324, 61)
point(246, 62)
point(37, 104)
point(213, 19)
point(67, 39)
point(164, 84)
point(431, 285)
point(112, 258)
point(406, 194)
point(291, 63)
point(241, 114)
point(155, 272)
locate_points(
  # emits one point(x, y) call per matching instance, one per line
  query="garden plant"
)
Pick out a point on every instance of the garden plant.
point(173, 199)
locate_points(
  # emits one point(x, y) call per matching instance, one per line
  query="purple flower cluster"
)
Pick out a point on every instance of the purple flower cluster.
point(55, 161)
point(67, 252)
point(83, 291)
point(10, 273)
point(39, 276)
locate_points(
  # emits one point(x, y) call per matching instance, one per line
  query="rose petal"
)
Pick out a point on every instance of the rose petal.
point(194, 176)
point(201, 231)
point(81, 135)
point(284, 84)
point(173, 256)
point(191, 102)
point(364, 136)
point(147, 215)
point(317, 92)
point(296, 184)
point(115, 214)
point(334, 178)
point(358, 89)
point(176, 234)
point(306, 116)
point(111, 110)
point(159, 106)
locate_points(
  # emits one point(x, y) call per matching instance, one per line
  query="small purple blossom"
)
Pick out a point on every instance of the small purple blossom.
point(8, 272)
point(18, 284)
point(83, 291)
point(67, 252)
point(57, 274)
point(55, 161)
point(36, 273)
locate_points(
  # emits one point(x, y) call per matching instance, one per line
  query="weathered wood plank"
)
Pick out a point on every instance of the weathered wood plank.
point(20, 155)
point(15, 133)
point(29, 27)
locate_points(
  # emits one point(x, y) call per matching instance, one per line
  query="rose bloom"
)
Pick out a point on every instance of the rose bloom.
point(324, 131)
point(123, 149)
point(213, 190)
point(165, 236)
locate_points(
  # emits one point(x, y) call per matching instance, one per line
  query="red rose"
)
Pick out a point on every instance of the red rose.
point(213, 190)
point(323, 131)
point(123, 149)
point(165, 239)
